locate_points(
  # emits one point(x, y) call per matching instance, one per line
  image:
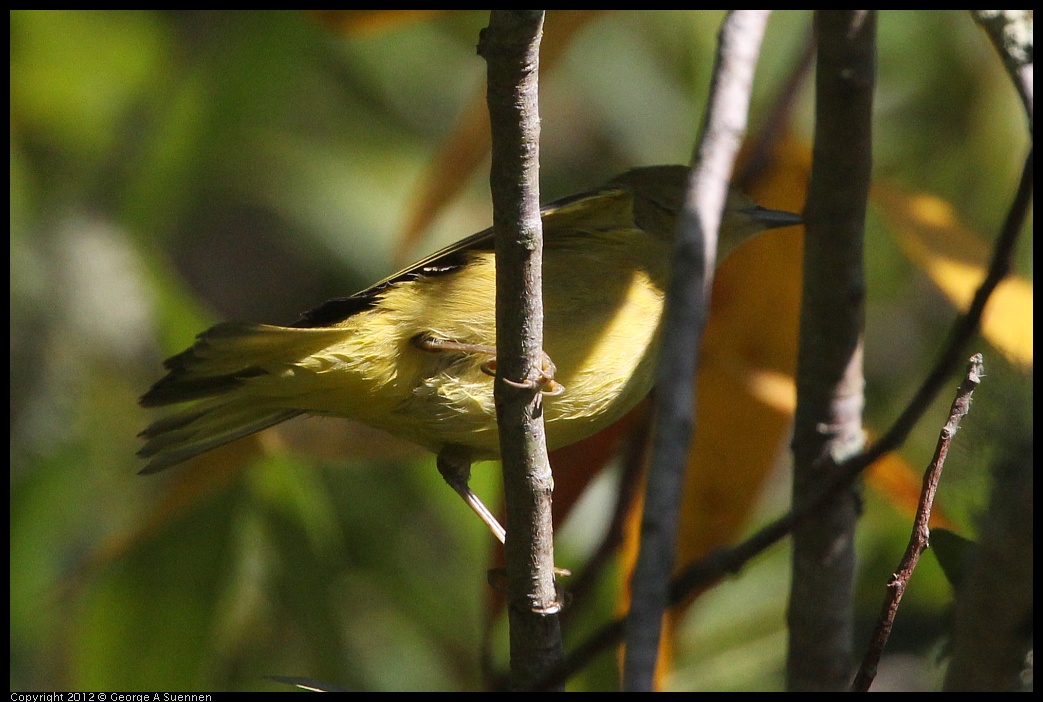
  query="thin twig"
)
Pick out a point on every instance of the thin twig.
point(920, 537)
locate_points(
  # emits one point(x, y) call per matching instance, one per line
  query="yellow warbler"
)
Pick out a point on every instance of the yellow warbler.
point(413, 354)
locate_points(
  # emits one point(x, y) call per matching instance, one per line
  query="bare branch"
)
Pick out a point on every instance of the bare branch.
point(920, 537)
point(510, 45)
point(684, 318)
point(828, 423)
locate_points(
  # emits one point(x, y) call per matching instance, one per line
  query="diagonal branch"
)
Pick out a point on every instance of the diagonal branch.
point(684, 318)
point(920, 536)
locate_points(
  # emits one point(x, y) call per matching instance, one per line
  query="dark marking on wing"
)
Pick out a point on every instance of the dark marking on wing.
point(442, 262)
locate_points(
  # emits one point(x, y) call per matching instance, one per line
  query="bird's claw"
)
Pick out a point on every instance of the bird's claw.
point(544, 382)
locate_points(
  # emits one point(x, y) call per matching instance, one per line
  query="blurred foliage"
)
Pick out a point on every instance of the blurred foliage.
point(172, 168)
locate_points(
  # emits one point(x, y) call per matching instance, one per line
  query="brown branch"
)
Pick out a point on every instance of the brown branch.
point(695, 253)
point(920, 537)
point(510, 45)
point(828, 422)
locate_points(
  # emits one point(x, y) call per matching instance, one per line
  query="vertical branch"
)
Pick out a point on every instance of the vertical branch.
point(828, 424)
point(510, 45)
point(684, 318)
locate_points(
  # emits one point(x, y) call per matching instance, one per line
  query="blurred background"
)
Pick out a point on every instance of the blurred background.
point(171, 169)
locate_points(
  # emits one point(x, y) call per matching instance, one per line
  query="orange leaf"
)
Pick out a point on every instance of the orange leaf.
point(363, 21)
point(900, 484)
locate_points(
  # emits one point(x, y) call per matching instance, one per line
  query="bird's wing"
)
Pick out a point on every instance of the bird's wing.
point(570, 213)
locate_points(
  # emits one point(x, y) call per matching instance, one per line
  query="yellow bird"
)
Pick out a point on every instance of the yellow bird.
point(412, 354)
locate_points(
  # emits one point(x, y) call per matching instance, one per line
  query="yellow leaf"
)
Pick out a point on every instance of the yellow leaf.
point(955, 258)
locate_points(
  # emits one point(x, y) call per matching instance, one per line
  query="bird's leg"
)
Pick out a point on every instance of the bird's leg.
point(545, 383)
point(454, 463)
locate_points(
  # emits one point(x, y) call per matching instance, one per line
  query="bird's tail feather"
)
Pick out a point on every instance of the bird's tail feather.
point(212, 373)
point(225, 356)
point(194, 431)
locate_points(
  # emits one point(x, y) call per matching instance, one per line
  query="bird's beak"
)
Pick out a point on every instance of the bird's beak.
point(773, 219)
